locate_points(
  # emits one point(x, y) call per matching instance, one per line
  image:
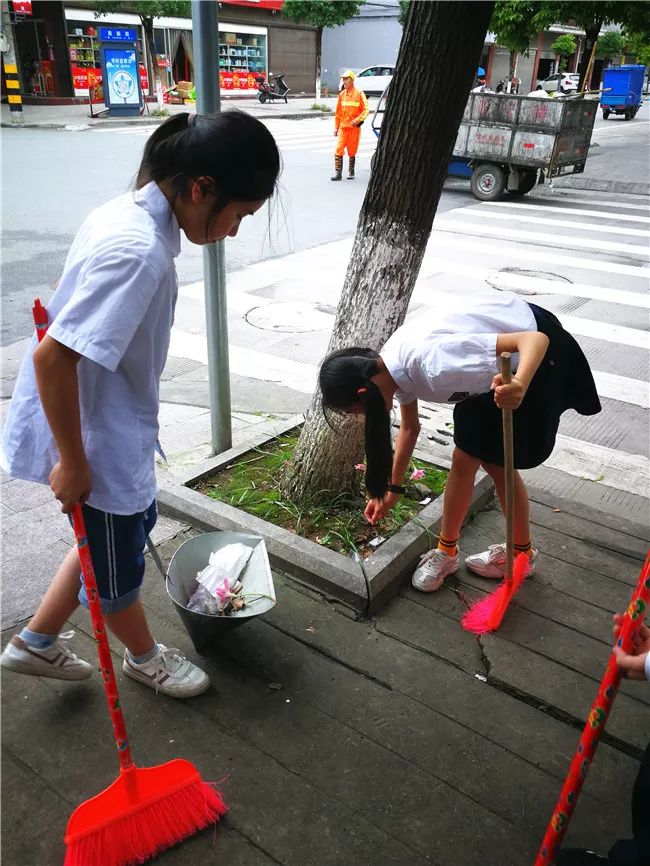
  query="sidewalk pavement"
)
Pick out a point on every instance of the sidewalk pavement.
point(402, 741)
point(65, 116)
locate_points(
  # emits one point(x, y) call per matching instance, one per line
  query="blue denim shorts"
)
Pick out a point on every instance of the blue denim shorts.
point(117, 543)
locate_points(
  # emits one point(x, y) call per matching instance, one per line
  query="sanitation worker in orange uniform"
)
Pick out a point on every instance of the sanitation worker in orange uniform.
point(351, 111)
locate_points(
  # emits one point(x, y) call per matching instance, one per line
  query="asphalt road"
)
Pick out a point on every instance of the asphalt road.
point(53, 178)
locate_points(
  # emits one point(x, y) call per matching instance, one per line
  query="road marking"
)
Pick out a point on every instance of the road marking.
point(606, 331)
point(624, 217)
point(529, 285)
point(569, 224)
point(625, 390)
point(605, 202)
point(577, 457)
point(617, 469)
point(513, 251)
point(462, 227)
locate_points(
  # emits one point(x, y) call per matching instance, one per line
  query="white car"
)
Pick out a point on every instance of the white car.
point(373, 80)
point(561, 82)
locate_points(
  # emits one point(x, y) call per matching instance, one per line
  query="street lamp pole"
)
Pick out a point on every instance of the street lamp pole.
point(205, 32)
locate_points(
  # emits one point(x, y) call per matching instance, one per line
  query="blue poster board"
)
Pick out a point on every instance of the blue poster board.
point(120, 70)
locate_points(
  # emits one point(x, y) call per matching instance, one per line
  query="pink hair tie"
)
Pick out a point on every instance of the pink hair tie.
point(361, 391)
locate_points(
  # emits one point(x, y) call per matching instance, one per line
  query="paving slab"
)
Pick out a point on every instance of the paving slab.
point(378, 744)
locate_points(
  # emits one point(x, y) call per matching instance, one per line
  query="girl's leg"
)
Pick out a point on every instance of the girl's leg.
point(522, 513)
point(131, 628)
point(457, 499)
point(61, 599)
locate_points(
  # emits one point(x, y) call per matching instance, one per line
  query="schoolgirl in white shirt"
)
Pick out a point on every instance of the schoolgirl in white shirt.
point(84, 413)
point(452, 357)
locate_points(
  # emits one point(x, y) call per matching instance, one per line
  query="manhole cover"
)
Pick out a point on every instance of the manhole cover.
point(289, 318)
point(505, 280)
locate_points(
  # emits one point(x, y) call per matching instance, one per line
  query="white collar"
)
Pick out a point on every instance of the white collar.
point(154, 201)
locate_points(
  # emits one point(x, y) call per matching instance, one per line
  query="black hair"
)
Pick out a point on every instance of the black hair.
point(341, 376)
point(232, 148)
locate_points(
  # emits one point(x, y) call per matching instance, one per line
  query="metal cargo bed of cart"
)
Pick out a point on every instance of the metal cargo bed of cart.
point(508, 142)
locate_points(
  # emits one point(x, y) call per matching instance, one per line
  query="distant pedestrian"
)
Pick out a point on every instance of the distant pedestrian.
point(84, 413)
point(351, 111)
point(452, 357)
point(540, 93)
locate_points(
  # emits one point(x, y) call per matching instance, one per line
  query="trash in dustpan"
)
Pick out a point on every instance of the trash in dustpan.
point(193, 558)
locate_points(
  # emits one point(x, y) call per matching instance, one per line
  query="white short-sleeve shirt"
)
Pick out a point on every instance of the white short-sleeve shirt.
point(114, 305)
point(449, 353)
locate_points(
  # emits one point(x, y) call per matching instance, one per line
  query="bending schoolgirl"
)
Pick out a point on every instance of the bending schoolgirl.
point(84, 413)
point(453, 358)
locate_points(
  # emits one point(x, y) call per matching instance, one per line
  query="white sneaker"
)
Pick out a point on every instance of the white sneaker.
point(168, 672)
point(434, 567)
point(492, 562)
point(55, 661)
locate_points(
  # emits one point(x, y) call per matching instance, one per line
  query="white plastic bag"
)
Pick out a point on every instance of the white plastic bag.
point(227, 563)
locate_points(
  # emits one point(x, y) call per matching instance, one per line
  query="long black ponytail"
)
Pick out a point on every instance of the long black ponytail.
point(232, 148)
point(345, 381)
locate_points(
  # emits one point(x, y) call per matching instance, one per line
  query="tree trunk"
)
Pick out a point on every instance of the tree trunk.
point(153, 71)
point(591, 37)
point(418, 134)
point(513, 65)
point(319, 56)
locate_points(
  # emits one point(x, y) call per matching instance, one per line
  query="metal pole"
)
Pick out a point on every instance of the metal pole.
point(205, 39)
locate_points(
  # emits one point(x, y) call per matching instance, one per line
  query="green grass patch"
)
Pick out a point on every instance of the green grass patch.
point(252, 483)
point(321, 106)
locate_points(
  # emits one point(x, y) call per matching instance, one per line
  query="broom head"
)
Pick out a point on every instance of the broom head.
point(486, 614)
point(143, 812)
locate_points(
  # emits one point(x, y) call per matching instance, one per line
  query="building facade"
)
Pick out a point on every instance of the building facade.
point(58, 52)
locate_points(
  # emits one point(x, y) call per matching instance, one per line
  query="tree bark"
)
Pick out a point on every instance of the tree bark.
point(153, 71)
point(591, 36)
point(418, 134)
point(319, 57)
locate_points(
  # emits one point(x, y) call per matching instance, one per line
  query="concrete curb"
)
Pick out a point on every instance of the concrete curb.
point(593, 184)
point(151, 121)
point(364, 588)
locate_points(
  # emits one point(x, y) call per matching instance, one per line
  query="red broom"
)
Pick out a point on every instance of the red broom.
point(146, 810)
point(595, 724)
point(486, 615)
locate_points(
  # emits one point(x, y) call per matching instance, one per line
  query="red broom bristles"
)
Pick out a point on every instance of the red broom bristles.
point(150, 830)
point(486, 615)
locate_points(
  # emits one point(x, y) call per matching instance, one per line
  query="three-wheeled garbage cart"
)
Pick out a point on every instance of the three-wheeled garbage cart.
point(509, 142)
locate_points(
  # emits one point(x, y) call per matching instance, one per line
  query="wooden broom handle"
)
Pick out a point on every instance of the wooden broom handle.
point(505, 363)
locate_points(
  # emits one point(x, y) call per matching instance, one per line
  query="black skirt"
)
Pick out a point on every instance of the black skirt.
point(563, 381)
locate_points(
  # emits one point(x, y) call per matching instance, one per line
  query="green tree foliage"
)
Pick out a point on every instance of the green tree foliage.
point(321, 13)
point(513, 24)
point(637, 45)
point(565, 46)
point(610, 44)
point(590, 15)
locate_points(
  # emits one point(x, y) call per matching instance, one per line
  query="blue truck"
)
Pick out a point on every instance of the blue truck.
point(622, 90)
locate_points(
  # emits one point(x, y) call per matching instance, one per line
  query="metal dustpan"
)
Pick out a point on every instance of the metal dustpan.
point(191, 557)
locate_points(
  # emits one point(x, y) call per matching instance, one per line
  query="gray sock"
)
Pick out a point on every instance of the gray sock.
point(140, 660)
point(36, 640)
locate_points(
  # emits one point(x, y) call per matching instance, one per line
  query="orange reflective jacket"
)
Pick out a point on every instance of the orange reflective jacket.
point(351, 108)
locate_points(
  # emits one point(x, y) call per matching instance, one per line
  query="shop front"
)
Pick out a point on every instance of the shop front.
point(82, 30)
point(59, 54)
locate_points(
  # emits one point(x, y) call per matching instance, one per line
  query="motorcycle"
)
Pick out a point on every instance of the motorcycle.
point(270, 90)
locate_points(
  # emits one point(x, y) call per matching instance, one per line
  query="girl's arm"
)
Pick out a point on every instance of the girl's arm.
point(404, 445)
point(531, 346)
point(55, 367)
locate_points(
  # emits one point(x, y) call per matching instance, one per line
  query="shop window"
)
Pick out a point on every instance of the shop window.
point(242, 59)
